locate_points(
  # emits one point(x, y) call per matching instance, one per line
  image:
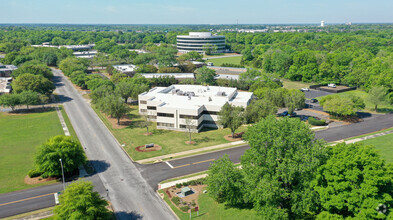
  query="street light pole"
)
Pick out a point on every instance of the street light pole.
point(62, 171)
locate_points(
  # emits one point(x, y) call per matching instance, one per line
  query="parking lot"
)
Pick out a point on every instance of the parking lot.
point(315, 93)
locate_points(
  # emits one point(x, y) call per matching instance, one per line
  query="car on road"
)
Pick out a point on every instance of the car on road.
point(314, 100)
point(284, 113)
point(305, 89)
point(332, 85)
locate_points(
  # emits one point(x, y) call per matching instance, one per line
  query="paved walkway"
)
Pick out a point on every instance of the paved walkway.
point(216, 147)
point(362, 138)
point(173, 183)
point(63, 124)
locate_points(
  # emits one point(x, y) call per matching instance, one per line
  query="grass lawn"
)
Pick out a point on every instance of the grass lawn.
point(170, 141)
point(210, 209)
point(220, 61)
point(384, 144)
point(295, 84)
point(20, 135)
point(369, 106)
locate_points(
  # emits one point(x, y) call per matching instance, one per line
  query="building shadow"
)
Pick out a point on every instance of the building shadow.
point(128, 215)
point(99, 165)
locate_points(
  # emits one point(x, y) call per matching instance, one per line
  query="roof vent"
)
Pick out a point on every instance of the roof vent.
point(210, 99)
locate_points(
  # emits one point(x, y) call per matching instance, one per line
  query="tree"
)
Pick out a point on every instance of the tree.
point(29, 98)
point(377, 95)
point(231, 117)
point(294, 99)
point(59, 147)
point(72, 64)
point(259, 109)
point(124, 89)
point(205, 76)
point(79, 201)
point(35, 68)
point(146, 122)
point(340, 106)
point(279, 167)
point(190, 125)
point(355, 183)
point(224, 182)
point(210, 48)
point(114, 106)
point(35, 83)
point(10, 100)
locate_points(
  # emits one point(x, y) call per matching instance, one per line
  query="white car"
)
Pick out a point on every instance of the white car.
point(305, 89)
point(331, 85)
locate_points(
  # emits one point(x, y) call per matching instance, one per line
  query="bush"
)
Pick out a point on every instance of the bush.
point(178, 185)
point(34, 173)
point(313, 121)
point(44, 175)
point(232, 65)
point(176, 200)
point(184, 208)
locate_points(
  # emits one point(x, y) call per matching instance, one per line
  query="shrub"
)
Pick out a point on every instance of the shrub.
point(44, 175)
point(34, 173)
point(176, 200)
point(313, 121)
point(178, 185)
point(232, 65)
point(186, 184)
point(184, 208)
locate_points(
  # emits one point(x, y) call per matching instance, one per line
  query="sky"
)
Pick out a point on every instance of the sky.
point(195, 11)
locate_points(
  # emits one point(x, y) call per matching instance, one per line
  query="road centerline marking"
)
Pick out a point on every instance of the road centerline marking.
point(170, 165)
point(182, 166)
point(35, 197)
point(203, 161)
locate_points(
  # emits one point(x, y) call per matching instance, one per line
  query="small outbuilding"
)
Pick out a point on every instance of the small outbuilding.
point(186, 191)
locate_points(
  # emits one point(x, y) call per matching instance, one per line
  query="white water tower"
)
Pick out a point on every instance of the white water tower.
point(322, 23)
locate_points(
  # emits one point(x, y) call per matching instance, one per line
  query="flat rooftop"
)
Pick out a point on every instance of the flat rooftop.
point(7, 67)
point(194, 96)
point(125, 67)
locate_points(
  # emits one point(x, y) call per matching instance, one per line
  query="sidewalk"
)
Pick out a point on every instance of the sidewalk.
point(362, 138)
point(216, 147)
point(173, 183)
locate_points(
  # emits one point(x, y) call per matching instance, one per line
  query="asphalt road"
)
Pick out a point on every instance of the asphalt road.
point(130, 194)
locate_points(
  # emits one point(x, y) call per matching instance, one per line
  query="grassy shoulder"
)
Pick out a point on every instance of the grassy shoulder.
point(35, 213)
point(384, 144)
point(68, 123)
point(21, 134)
point(170, 141)
point(232, 60)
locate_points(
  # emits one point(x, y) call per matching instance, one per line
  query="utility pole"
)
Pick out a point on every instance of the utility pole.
point(62, 171)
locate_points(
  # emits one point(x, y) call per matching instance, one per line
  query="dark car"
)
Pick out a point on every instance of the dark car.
point(285, 113)
point(314, 100)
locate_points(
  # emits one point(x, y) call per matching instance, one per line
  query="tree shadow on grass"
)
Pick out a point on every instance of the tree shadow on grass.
point(129, 215)
point(99, 165)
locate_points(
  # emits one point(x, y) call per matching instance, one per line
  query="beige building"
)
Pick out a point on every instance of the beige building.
point(179, 106)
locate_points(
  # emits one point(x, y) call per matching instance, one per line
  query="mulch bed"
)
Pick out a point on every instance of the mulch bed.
point(36, 180)
point(238, 137)
point(144, 149)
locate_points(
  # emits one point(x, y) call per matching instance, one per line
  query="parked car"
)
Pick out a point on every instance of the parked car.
point(331, 85)
point(285, 113)
point(314, 100)
point(293, 114)
point(304, 89)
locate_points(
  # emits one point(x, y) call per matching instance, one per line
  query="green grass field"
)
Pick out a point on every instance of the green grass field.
point(369, 106)
point(384, 144)
point(220, 61)
point(21, 134)
point(295, 84)
point(170, 141)
point(211, 210)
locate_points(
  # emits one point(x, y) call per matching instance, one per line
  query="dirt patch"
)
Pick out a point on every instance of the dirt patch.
point(238, 137)
point(124, 121)
point(144, 149)
point(147, 133)
point(190, 142)
point(191, 200)
point(36, 180)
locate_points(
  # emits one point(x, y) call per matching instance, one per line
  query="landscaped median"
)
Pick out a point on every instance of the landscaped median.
point(131, 133)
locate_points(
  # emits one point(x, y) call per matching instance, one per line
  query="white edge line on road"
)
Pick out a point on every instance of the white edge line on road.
point(170, 165)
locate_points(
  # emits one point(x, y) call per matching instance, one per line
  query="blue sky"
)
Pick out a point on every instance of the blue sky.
point(195, 12)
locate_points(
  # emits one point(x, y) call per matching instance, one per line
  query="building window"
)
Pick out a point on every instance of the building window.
point(152, 107)
point(192, 126)
point(189, 116)
point(152, 116)
point(143, 110)
point(143, 102)
point(209, 113)
point(160, 124)
point(165, 115)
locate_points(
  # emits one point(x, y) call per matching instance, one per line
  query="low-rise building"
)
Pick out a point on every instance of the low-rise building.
point(6, 70)
point(179, 107)
point(5, 85)
point(178, 76)
point(128, 69)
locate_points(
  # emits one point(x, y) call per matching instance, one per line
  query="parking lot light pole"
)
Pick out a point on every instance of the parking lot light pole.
point(62, 171)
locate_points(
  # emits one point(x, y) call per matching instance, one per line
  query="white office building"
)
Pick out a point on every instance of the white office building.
point(178, 107)
point(198, 41)
point(6, 70)
point(128, 69)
